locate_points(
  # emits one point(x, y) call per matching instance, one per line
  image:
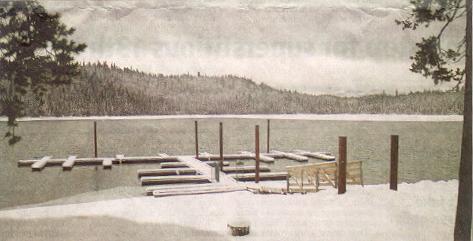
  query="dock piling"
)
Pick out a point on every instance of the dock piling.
point(221, 146)
point(196, 139)
point(394, 162)
point(217, 173)
point(257, 153)
point(95, 139)
point(342, 164)
point(267, 136)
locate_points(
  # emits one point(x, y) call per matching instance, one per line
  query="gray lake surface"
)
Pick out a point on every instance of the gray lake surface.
point(427, 150)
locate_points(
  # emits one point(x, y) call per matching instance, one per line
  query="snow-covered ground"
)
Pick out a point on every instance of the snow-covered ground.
point(343, 117)
point(420, 211)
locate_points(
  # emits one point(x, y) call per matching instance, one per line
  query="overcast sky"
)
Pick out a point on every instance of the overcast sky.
point(343, 47)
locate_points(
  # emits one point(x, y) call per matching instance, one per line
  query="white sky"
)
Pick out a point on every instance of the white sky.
point(344, 47)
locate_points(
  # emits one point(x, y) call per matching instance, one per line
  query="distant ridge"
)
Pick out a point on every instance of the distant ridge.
point(103, 89)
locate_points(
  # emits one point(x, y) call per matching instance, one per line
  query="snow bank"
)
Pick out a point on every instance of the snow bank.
point(420, 211)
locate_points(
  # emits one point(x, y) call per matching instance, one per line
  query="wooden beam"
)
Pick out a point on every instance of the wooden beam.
point(172, 187)
point(318, 155)
point(275, 154)
point(40, 164)
point(262, 157)
point(342, 164)
point(198, 190)
point(262, 177)
point(173, 165)
point(215, 163)
point(394, 162)
point(69, 163)
point(166, 172)
point(292, 156)
point(173, 179)
point(148, 159)
point(245, 169)
point(204, 156)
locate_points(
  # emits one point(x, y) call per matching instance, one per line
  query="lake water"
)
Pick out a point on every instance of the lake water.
point(427, 150)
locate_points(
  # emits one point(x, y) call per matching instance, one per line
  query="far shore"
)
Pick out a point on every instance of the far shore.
point(329, 117)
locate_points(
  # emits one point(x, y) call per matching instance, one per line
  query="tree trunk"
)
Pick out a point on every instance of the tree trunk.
point(464, 203)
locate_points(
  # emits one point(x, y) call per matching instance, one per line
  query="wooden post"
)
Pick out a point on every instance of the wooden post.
point(267, 137)
point(257, 153)
point(342, 164)
point(217, 172)
point(394, 162)
point(95, 138)
point(220, 164)
point(196, 140)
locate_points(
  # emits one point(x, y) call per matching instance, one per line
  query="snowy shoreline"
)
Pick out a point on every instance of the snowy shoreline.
point(332, 117)
point(418, 211)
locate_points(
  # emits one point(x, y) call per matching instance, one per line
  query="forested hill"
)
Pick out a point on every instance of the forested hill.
point(108, 90)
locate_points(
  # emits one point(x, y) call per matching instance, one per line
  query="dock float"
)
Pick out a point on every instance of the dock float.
point(326, 156)
point(173, 165)
point(166, 172)
point(228, 157)
point(292, 156)
point(99, 160)
point(245, 169)
point(181, 165)
point(107, 163)
point(263, 176)
point(119, 158)
point(69, 163)
point(262, 157)
point(157, 180)
point(148, 159)
point(39, 165)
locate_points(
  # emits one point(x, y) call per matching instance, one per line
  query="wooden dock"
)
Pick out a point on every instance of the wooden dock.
point(38, 165)
point(203, 174)
point(184, 175)
point(199, 174)
point(203, 169)
point(168, 161)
